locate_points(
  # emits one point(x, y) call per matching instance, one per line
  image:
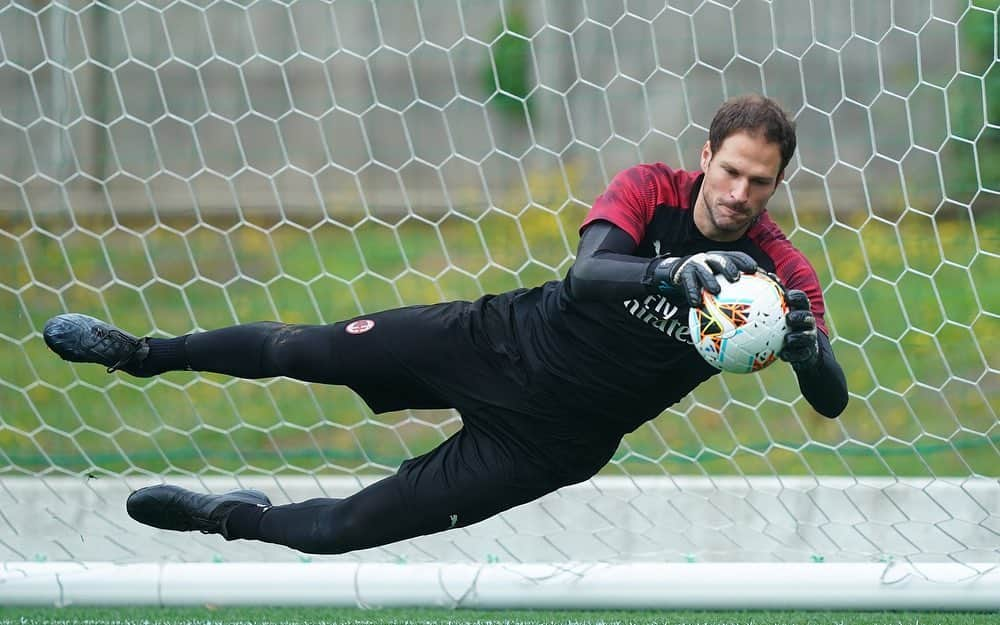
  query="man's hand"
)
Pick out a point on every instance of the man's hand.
point(801, 348)
point(691, 274)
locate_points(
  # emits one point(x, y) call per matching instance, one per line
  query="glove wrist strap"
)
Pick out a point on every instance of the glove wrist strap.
point(806, 365)
point(656, 278)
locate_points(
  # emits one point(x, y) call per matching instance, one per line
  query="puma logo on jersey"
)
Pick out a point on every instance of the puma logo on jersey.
point(454, 520)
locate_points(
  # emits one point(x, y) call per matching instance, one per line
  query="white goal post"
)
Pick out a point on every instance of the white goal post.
point(612, 543)
point(175, 166)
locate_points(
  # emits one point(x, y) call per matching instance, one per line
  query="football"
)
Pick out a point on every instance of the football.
point(741, 329)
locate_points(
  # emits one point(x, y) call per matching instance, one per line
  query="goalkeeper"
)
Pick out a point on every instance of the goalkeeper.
point(547, 379)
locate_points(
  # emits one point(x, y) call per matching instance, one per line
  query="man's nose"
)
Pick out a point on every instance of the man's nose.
point(740, 191)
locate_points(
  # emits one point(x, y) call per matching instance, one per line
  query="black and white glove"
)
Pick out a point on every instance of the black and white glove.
point(691, 274)
point(801, 347)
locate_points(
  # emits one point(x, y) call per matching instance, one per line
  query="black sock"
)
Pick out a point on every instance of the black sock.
point(164, 355)
point(244, 521)
point(239, 351)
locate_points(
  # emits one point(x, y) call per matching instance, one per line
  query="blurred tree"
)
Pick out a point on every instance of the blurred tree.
point(974, 105)
point(508, 73)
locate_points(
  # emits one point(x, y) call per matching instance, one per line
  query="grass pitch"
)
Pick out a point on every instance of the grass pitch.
point(911, 305)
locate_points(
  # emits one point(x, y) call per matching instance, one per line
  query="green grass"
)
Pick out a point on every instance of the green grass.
point(192, 616)
point(911, 301)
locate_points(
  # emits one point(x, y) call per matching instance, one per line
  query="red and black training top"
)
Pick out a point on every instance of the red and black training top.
point(654, 205)
point(596, 340)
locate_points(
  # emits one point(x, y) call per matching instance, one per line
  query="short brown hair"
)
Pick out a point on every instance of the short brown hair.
point(755, 114)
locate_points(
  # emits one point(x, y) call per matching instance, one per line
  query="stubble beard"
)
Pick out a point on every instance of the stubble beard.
point(730, 228)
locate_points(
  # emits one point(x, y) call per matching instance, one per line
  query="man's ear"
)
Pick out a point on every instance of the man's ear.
point(706, 156)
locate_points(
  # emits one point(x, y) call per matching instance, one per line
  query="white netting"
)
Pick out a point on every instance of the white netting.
point(175, 166)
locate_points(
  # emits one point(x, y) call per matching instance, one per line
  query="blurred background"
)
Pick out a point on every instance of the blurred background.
point(318, 108)
point(175, 166)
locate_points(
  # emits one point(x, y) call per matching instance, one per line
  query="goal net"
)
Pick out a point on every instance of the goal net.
point(175, 166)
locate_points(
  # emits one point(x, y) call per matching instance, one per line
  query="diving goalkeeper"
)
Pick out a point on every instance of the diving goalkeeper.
point(547, 379)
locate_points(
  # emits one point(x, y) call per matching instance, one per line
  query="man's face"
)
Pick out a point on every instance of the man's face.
point(739, 180)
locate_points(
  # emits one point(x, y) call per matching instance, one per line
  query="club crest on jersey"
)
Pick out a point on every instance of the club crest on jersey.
point(360, 326)
point(662, 315)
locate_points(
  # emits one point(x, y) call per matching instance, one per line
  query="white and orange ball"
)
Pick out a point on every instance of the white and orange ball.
point(740, 330)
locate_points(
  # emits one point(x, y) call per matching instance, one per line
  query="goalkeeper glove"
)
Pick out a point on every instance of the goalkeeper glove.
point(691, 274)
point(801, 347)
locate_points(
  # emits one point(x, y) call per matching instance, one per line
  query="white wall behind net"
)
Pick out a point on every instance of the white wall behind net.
point(183, 165)
point(229, 97)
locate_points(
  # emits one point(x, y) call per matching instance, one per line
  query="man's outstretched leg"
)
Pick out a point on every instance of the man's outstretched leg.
point(333, 353)
point(468, 478)
point(255, 350)
point(312, 353)
point(242, 351)
point(376, 515)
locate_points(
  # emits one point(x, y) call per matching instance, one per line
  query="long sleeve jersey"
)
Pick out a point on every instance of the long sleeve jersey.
point(600, 345)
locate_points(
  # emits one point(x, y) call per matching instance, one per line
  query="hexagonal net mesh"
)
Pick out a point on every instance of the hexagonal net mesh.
point(179, 166)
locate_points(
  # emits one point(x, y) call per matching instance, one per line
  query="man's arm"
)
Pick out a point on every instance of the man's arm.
point(606, 269)
point(824, 385)
point(808, 350)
